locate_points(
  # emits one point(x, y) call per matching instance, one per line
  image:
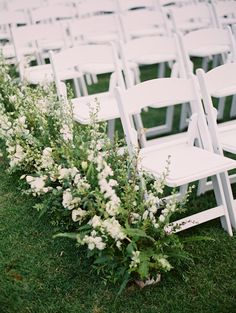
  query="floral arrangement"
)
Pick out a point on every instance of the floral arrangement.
point(108, 206)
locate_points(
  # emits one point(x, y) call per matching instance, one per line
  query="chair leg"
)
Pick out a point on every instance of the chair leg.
point(231, 203)
point(185, 113)
point(221, 107)
point(216, 61)
point(94, 78)
point(219, 192)
point(233, 107)
point(88, 79)
point(77, 87)
point(83, 86)
point(161, 70)
point(201, 186)
point(205, 64)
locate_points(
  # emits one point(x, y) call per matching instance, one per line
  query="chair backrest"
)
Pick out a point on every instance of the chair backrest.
point(52, 13)
point(208, 37)
point(31, 40)
point(139, 23)
point(159, 48)
point(191, 17)
point(16, 5)
point(160, 92)
point(9, 19)
point(91, 7)
point(224, 12)
point(221, 79)
point(79, 56)
point(125, 5)
point(100, 28)
point(213, 38)
point(177, 3)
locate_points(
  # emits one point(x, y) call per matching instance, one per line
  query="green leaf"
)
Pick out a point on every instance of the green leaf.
point(136, 232)
point(103, 260)
point(143, 268)
point(66, 235)
point(124, 283)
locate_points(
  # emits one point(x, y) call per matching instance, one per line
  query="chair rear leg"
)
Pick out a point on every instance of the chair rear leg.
point(233, 107)
point(221, 201)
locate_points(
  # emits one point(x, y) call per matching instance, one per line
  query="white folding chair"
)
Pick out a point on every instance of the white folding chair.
point(191, 17)
point(52, 13)
point(157, 50)
point(187, 163)
point(32, 42)
point(224, 12)
point(139, 23)
point(83, 57)
point(7, 20)
point(216, 83)
point(208, 43)
point(95, 29)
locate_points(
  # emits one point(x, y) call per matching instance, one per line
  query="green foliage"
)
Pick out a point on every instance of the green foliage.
point(87, 184)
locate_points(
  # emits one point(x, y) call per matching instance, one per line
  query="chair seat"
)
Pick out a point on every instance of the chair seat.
point(154, 58)
point(102, 68)
point(43, 73)
point(204, 51)
point(191, 26)
point(187, 163)
point(108, 108)
point(146, 32)
point(9, 51)
point(100, 38)
point(224, 92)
point(46, 45)
point(39, 74)
point(227, 135)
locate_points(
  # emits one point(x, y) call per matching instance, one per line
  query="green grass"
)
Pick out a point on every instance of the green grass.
point(39, 274)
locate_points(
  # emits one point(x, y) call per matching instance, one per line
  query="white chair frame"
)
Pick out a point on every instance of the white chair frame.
point(188, 163)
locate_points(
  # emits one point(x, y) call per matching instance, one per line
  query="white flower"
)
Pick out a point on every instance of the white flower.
point(66, 173)
point(135, 218)
point(161, 218)
point(135, 260)
point(13, 99)
point(84, 165)
point(100, 245)
point(118, 244)
point(94, 242)
point(113, 206)
point(159, 186)
point(17, 156)
point(78, 214)
point(95, 221)
point(42, 105)
point(145, 215)
point(171, 206)
point(67, 199)
point(113, 228)
point(47, 160)
point(37, 184)
point(164, 263)
point(66, 133)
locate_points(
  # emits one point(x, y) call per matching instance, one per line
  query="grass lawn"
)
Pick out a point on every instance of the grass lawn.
point(39, 274)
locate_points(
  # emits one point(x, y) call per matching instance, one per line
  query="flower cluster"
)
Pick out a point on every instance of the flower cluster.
point(114, 209)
